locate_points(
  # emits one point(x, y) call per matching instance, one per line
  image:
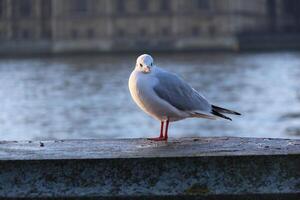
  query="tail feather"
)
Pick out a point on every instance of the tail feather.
point(220, 115)
point(224, 110)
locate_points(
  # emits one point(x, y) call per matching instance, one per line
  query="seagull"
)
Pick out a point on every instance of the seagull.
point(167, 97)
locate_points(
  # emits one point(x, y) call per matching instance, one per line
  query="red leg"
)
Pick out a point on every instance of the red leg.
point(161, 129)
point(161, 136)
point(166, 131)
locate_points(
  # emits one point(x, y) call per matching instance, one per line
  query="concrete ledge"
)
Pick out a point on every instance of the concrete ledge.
point(188, 168)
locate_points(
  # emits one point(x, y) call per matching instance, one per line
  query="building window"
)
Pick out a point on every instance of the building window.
point(202, 4)
point(1, 8)
point(46, 34)
point(25, 8)
point(79, 7)
point(165, 5)
point(1, 35)
point(25, 34)
point(142, 5)
point(212, 30)
point(165, 31)
point(120, 32)
point(46, 8)
point(143, 32)
point(90, 33)
point(74, 34)
point(120, 6)
point(195, 31)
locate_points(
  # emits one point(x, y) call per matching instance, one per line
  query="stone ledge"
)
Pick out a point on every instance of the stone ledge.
point(143, 148)
point(187, 168)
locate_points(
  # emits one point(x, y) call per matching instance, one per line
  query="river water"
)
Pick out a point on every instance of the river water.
point(87, 96)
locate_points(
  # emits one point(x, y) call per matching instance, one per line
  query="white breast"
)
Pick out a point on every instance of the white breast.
point(141, 89)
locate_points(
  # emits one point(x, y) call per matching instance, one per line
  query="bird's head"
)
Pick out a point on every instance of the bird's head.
point(144, 63)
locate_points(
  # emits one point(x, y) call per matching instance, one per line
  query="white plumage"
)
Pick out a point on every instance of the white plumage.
point(167, 97)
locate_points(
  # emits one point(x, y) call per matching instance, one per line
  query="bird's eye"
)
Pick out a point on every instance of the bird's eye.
point(141, 65)
point(151, 64)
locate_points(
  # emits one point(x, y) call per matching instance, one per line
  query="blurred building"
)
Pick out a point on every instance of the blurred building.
point(121, 25)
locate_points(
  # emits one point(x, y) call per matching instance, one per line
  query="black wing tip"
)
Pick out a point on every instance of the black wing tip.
point(236, 113)
point(224, 110)
point(228, 118)
point(220, 115)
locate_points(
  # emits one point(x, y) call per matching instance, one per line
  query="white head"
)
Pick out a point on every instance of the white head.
point(144, 63)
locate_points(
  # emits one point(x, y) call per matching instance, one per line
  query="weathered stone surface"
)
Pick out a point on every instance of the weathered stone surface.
point(188, 168)
point(143, 148)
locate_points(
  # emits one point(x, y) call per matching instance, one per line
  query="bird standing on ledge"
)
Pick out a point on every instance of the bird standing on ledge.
point(166, 97)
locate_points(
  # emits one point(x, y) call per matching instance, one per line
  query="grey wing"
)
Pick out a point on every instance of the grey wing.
point(179, 94)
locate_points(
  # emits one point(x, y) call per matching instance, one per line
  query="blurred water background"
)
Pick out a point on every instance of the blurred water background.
point(84, 96)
